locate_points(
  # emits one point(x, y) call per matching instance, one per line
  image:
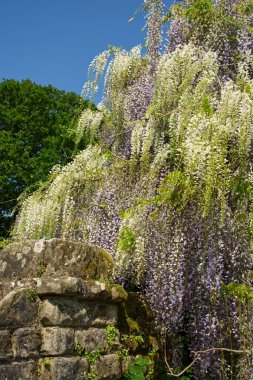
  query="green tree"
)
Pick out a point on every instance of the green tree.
point(36, 132)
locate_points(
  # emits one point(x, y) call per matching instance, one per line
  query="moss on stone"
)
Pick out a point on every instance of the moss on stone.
point(153, 343)
point(90, 270)
point(122, 293)
point(107, 256)
point(134, 327)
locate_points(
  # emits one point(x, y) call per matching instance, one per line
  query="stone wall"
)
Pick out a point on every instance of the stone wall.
point(55, 309)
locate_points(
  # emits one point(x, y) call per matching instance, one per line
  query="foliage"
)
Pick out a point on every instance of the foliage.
point(128, 344)
point(242, 292)
point(91, 357)
point(175, 190)
point(41, 268)
point(111, 334)
point(131, 342)
point(127, 239)
point(4, 242)
point(36, 133)
point(31, 294)
point(166, 185)
point(46, 362)
point(136, 370)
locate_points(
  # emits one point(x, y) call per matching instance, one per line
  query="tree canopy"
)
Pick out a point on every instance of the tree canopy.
point(35, 134)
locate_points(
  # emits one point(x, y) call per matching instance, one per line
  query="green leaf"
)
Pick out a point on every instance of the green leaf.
point(142, 362)
point(136, 373)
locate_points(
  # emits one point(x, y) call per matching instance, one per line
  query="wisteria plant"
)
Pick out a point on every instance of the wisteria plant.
point(166, 184)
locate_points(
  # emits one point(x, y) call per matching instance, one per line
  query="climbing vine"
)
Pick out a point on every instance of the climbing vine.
point(166, 183)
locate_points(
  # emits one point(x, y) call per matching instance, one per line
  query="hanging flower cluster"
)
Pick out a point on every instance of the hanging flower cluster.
point(166, 186)
point(154, 35)
point(224, 26)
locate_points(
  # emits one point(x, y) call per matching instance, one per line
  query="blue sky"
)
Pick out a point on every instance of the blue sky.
point(53, 41)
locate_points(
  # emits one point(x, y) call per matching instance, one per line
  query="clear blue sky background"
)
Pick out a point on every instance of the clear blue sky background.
point(53, 41)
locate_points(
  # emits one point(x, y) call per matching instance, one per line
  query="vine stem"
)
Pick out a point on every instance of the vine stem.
point(197, 355)
point(248, 352)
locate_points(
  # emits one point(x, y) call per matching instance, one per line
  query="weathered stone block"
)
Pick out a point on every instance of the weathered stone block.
point(57, 341)
point(73, 286)
point(64, 312)
point(5, 288)
point(26, 342)
point(108, 368)
point(93, 339)
point(104, 314)
point(63, 368)
point(5, 345)
point(8, 286)
point(61, 311)
point(19, 371)
point(18, 260)
point(16, 309)
point(67, 286)
point(75, 259)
